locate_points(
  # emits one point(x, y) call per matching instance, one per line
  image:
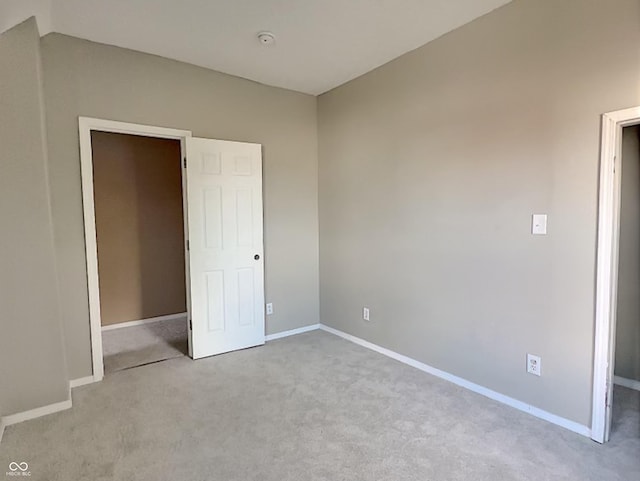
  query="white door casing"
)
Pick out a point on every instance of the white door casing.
point(85, 126)
point(607, 267)
point(226, 255)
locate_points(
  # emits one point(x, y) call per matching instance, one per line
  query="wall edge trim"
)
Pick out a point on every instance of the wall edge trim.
point(628, 383)
point(140, 322)
point(36, 413)
point(292, 332)
point(478, 389)
point(81, 381)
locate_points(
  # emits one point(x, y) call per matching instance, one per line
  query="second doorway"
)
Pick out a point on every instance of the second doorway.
point(139, 218)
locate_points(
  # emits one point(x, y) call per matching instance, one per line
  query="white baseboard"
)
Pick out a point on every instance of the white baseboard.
point(36, 413)
point(170, 317)
point(630, 383)
point(82, 381)
point(44, 410)
point(292, 332)
point(496, 396)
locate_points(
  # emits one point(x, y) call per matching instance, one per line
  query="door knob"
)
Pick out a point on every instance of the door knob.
point(257, 257)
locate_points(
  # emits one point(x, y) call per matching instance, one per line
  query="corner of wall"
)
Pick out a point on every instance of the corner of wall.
point(45, 154)
point(24, 159)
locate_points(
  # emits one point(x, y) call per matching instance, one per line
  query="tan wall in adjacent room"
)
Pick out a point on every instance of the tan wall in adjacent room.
point(139, 226)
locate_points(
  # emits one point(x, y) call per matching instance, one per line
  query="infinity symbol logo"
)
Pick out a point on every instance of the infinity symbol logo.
point(13, 466)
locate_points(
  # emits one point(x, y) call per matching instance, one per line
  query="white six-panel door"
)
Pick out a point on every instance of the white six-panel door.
point(226, 265)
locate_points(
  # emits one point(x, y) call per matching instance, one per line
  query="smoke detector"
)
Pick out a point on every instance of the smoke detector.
point(266, 38)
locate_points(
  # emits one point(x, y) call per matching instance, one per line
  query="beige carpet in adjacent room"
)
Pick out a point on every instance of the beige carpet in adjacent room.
point(309, 407)
point(139, 345)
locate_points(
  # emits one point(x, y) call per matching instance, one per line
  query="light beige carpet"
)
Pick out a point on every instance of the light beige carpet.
point(309, 407)
point(129, 347)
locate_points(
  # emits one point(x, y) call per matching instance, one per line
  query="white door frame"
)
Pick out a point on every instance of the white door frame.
point(607, 265)
point(86, 125)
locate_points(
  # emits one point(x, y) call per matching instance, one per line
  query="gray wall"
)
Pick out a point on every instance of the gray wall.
point(628, 307)
point(32, 363)
point(429, 170)
point(88, 79)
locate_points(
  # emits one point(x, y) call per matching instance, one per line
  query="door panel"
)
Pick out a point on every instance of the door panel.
point(215, 300)
point(224, 192)
point(212, 212)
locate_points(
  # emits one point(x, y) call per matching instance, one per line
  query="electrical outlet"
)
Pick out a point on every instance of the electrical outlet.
point(534, 365)
point(269, 309)
point(365, 313)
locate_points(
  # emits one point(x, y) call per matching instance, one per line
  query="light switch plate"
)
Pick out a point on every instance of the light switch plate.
point(539, 224)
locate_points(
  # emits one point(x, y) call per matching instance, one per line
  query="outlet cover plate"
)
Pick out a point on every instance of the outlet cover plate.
point(534, 365)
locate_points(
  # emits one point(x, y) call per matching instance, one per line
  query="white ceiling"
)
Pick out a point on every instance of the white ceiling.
point(320, 44)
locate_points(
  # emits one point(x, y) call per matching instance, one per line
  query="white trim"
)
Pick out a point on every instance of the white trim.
point(496, 396)
point(607, 267)
point(81, 381)
point(292, 332)
point(85, 126)
point(36, 413)
point(2, 425)
point(630, 383)
point(141, 322)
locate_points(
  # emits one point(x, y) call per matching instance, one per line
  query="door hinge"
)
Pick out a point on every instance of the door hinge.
point(190, 325)
point(188, 245)
point(184, 162)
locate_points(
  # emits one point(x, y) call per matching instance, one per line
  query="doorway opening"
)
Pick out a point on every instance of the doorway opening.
point(625, 417)
point(138, 202)
point(616, 379)
point(134, 204)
